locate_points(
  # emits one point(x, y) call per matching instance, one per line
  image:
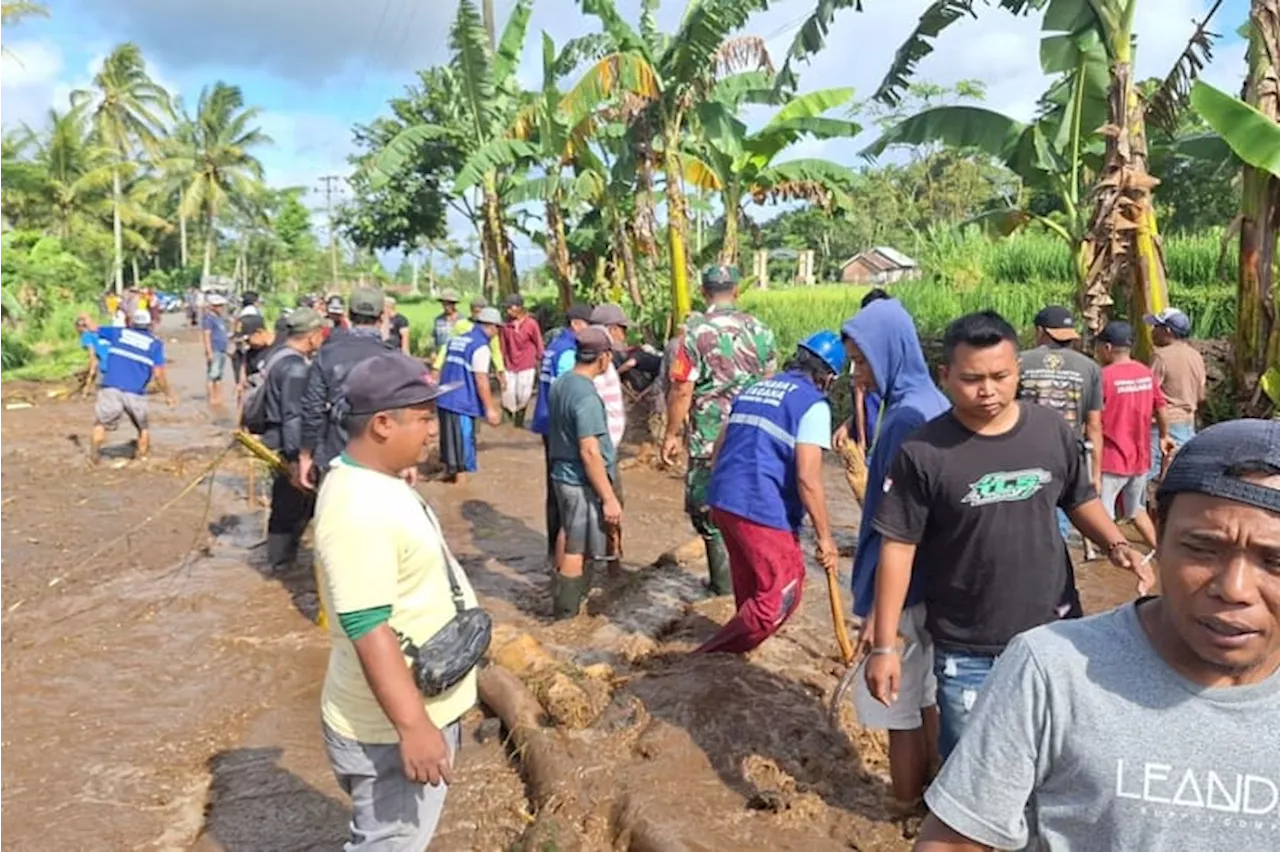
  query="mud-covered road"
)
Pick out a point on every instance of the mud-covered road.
point(160, 691)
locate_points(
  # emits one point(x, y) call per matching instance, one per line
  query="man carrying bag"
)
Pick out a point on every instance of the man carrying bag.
point(406, 629)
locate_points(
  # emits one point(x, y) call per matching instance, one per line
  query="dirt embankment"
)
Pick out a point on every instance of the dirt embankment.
point(160, 690)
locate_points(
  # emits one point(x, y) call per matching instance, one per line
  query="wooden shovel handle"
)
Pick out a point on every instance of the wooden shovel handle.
point(837, 618)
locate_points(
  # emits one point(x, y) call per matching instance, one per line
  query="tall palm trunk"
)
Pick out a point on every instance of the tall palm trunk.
point(117, 230)
point(182, 239)
point(210, 242)
point(677, 231)
point(1257, 340)
point(1123, 241)
point(558, 252)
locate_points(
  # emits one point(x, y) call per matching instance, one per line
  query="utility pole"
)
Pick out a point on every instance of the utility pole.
point(333, 236)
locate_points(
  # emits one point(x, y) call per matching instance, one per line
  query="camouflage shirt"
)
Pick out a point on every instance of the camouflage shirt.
point(720, 352)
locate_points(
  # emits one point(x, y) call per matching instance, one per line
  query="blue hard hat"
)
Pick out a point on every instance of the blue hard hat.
point(827, 346)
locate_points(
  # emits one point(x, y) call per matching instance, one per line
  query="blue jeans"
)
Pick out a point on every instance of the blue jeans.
point(960, 678)
point(1179, 432)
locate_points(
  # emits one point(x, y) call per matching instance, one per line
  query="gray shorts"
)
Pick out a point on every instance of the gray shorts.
point(217, 366)
point(582, 519)
point(1131, 489)
point(390, 813)
point(113, 402)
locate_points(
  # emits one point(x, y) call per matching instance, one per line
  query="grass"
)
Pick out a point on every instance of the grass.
point(49, 352)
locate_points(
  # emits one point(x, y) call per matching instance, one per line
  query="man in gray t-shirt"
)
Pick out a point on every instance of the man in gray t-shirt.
point(1156, 725)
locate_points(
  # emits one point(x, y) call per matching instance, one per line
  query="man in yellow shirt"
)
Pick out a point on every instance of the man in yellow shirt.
point(383, 575)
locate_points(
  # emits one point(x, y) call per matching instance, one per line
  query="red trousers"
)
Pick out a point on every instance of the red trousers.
point(768, 576)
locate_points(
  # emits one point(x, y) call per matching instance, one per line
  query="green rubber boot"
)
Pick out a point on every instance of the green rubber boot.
point(567, 594)
point(721, 579)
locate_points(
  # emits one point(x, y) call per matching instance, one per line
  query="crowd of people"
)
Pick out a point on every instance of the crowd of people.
point(1155, 725)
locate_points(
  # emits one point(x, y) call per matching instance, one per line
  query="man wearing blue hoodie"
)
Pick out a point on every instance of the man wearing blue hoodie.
point(887, 360)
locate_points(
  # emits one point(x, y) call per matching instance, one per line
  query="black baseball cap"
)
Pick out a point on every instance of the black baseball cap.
point(387, 381)
point(579, 311)
point(1212, 461)
point(1117, 333)
point(1058, 322)
point(249, 324)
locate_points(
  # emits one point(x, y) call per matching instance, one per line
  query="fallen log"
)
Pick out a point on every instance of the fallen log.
point(547, 769)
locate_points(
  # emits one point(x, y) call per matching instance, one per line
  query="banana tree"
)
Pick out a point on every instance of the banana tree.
point(1089, 44)
point(682, 70)
point(735, 163)
point(488, 98)
point(1251, 127)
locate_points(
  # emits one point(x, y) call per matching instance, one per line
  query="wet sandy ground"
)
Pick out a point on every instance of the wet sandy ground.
point(163, 693)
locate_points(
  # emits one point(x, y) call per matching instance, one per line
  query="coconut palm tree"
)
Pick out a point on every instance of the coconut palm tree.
point(127, 109)
point(216, 153)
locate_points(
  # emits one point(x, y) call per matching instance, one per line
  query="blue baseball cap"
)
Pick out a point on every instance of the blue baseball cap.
point(1172, 319)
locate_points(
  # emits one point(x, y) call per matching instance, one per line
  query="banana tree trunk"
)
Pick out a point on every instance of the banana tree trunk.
point(732, 204)
point(117, 230)
point(644, 217)
point(627, 258)
point(677, 233)
point(558, 253)
point(502, 255)
point(1257, 340)
point(1123, 244)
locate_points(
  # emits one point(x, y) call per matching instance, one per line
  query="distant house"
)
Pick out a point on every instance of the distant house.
point(879, 265)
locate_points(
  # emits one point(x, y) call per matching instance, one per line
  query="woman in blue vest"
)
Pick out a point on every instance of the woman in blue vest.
point(766, 475)
point(466, 368)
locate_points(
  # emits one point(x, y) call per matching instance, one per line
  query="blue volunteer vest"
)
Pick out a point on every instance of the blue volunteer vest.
point(565, 341)
point(465, 399)
point(755, 472)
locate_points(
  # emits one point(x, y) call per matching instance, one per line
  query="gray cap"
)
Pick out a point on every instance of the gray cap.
point(579, 311)
point(367, 302)
point(448, 294)
point(302, 320)
point(1212, 463)
point(594, 341)
point(610, 315)
point(387, 381)
point(489, 316)
point(479, 301)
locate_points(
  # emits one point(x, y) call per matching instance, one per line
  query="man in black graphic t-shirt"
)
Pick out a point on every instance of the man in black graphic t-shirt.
point(971, 500)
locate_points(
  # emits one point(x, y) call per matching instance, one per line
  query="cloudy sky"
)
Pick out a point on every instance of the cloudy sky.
point(315, 67)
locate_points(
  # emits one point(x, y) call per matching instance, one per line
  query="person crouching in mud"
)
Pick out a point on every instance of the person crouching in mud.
point(766, 474)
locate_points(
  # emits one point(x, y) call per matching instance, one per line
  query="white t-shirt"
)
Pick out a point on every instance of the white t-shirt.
point(481, 359)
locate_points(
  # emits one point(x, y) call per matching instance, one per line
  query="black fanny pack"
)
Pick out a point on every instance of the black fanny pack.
point(446, 658)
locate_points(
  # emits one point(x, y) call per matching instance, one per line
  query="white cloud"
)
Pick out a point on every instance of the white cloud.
point(31, 71)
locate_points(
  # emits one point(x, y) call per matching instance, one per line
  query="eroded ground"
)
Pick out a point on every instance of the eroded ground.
point(161, 692)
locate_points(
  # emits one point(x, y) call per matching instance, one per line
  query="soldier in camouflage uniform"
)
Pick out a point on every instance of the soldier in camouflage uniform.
point(718, 353)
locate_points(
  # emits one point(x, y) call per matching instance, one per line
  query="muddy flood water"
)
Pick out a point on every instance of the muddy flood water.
point(161, 689)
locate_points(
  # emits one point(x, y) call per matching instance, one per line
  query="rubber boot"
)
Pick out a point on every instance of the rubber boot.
point(566, 595)
point(519, 419)
point(721, 579)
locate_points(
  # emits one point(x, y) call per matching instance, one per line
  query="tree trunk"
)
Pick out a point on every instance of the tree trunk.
point(117, 230)
point(1123, 244)
point(182, 238)
point(1257, 339)
point(502, 254)
point(677, 237)
point(627, 258)
point(644, 218)
point(558, 253)
point(137, 276)
point(210, 243)
point(732, 204)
